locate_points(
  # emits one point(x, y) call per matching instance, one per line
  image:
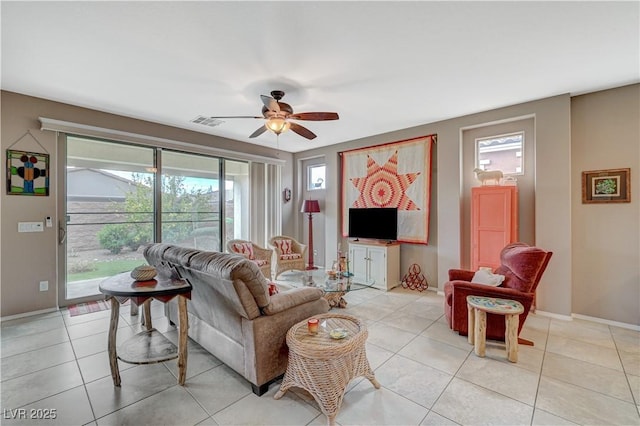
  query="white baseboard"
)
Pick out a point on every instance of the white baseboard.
point(607, 322)
point(579, 316)
point(28, 314)
point(552, 315)
point(588, 318)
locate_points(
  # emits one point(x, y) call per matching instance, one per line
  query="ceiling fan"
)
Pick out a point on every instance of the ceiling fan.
point(278, 115)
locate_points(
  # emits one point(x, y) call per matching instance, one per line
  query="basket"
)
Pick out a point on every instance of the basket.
point(143, 273)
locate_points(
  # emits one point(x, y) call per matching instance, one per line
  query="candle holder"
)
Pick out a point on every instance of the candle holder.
point(312, 324)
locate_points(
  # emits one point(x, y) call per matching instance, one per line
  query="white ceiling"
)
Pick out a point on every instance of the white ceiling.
point(383, 66)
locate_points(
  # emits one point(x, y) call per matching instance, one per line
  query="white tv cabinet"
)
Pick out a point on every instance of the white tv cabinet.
point(377, 261)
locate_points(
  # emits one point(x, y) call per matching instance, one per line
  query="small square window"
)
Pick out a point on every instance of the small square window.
point(504, 153)
point(316, 177)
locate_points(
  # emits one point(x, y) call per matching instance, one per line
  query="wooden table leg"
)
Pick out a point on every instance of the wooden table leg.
point(511, 338)
point(147, 314)
point(480, 332)
point(133, 310)
point(182, 339)
point(111, 345)
point(471, 317)
point(336, 299)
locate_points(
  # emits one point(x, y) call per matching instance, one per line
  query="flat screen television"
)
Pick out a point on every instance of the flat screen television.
point(374, 223)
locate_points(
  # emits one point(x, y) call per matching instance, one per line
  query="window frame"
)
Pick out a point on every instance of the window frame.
point(310, 168)
point(520, 157)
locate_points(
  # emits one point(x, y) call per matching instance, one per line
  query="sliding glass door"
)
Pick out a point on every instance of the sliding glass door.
point(108, 212)
point(191, 201)
point(120, 197)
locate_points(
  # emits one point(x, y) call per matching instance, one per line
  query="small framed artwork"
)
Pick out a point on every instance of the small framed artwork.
point(27, 173)
point(606, 186)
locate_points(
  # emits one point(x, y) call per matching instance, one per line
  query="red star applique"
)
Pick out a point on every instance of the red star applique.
point(383, 186)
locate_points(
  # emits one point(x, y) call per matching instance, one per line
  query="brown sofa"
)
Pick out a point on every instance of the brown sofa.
point(231, 313)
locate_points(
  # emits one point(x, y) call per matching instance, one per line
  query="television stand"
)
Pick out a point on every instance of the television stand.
point(376, 261)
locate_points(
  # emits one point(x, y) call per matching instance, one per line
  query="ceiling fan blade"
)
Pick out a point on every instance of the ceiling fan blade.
point(315, 116)
point(302, 131)
point(270, 103)
point(240, 116)
point(258, 132)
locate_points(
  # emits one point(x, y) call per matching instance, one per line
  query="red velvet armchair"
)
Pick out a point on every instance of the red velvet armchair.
point(521, 264)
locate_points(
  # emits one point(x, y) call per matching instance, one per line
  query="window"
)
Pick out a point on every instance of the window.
point(120, 197)
point(316, 177)
point(190, 205)
point(504, 152)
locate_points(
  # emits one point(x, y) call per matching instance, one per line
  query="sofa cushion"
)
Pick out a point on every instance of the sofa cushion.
point(180, 255)
point(235, 268)
point(154, 253)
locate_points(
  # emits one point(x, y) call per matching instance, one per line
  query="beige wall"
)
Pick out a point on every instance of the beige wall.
point(28, 258)
point(592, 273)
point(553, 194)
point(605, 134)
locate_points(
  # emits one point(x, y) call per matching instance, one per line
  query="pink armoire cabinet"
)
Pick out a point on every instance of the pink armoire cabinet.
point(494, 223)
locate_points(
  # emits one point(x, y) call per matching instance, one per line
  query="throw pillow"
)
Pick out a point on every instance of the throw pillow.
point(487, 278)
point(273, 289)
point(245, 249)
point(285, 246)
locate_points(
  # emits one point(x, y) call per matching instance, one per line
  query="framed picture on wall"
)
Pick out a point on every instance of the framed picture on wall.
point(27, 173)
point(606, 186)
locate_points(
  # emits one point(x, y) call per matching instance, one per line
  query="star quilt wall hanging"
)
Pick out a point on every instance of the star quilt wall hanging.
point(396, 174)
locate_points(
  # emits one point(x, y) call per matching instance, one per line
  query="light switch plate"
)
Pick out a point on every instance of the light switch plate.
point(30, 227)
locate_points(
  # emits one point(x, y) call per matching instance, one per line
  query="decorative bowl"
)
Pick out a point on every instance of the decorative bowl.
point(338, 333)
point(143, 273)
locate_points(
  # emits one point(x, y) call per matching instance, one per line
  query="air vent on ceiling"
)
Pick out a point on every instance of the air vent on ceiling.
point(207, 121)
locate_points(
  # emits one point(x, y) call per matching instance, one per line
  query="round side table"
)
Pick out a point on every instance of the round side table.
point(149, 346)
point(324, 366)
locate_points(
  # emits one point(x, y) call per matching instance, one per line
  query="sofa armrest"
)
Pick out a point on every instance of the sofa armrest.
point(463, 289)
point(287, 299)
point(460, 274)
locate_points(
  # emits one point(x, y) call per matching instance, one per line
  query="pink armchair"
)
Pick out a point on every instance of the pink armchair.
point(521, 264)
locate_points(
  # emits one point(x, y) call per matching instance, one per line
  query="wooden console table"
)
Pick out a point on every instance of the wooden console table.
point(149, 346)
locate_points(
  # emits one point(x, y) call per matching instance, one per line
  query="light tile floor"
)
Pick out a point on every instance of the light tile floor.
point(578, 372)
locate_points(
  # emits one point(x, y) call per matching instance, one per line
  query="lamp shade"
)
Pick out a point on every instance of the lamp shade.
point(310, 206)
point(278, 125)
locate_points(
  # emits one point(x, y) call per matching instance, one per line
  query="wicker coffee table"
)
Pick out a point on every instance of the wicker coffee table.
point(324, 366)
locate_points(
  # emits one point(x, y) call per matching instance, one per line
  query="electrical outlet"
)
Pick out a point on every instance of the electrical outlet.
point(44, 285)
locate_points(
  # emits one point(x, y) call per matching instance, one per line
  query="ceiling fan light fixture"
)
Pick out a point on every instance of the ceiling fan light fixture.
point(277, 125)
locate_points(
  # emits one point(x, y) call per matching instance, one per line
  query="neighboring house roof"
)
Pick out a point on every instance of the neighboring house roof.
point(85, 184)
